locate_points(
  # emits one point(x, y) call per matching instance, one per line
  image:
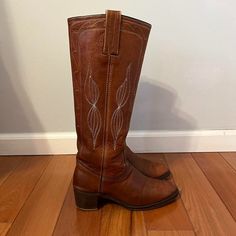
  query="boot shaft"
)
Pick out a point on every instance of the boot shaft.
point(106, 55)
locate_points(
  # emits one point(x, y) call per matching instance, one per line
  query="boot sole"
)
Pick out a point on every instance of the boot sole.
point(90, 201)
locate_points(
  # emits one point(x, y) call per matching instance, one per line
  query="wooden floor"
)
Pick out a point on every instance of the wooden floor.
point(36, 198)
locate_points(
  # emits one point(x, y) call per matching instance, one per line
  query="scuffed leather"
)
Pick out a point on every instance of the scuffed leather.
point(147, 167)
point(104, 87)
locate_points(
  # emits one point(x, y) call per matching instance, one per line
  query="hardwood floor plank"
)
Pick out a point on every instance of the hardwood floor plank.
point(7, 166)
point(73, 221)
point(230, 157)
point(171, 233)
point(170, 217)
point(115, 220)
point(18, 186)
point(4, 227)
point(138, 224)
point(207, 212)
point(41, 210)
point(221, 176)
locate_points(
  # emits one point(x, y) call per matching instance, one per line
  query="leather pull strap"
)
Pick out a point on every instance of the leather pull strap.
point(112, 32)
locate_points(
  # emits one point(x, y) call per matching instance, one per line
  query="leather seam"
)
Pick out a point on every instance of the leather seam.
point(106, 116)
point(105, 122)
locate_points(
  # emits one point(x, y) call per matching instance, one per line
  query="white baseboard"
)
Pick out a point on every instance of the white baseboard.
point(139, 141)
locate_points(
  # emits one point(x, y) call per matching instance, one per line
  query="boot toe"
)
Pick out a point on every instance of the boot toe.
point(157, 190)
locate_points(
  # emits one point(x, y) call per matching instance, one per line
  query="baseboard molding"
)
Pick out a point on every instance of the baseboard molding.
point(139, 141)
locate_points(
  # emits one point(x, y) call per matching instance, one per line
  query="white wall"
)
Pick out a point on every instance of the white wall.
point(188, 79)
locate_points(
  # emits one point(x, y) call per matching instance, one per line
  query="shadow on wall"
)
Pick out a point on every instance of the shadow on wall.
point(17, 114)
point(156, 109)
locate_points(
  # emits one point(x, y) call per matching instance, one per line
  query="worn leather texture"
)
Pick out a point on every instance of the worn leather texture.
point(106, 55)
point(154, 169)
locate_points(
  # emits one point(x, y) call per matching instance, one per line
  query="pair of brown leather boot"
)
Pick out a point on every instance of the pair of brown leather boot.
point(107, 52)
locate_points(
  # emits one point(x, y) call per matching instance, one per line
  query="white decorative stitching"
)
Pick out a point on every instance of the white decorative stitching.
point(92, 95)
point(122, 96)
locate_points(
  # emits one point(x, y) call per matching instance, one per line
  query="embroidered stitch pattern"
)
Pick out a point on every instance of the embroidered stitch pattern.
point(94, 117)
point(117, 118)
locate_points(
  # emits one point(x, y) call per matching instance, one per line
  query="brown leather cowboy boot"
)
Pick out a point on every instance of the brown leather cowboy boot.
point(153, 169)
point(106, 54)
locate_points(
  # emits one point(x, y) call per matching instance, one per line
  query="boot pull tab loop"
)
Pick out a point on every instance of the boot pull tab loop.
point(112, 32)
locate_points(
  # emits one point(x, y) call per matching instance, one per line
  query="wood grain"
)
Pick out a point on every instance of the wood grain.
point(170, 233)
point(171, 217)
point(230, 157)
point(115, 220)
point(17, 187)
point(138, 224)
point(219, 172)
point(7, 166)
point(4, 227)
point(40, 212)
point(73, 221)
point(207, 212)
